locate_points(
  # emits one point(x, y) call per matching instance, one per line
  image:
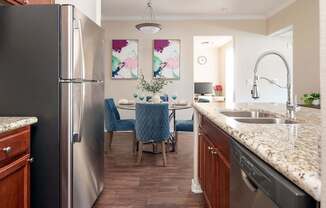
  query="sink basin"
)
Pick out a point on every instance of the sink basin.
point(265, 121)
point(247, 114)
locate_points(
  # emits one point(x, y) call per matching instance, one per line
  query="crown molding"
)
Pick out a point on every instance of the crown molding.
point(186, 17)
point(280, 8)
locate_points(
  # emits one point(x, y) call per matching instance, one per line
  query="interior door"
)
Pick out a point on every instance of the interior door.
point(88, 146)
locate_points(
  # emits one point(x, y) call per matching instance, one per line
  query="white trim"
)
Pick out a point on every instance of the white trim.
point(282, 31)
point(280, 8)
point(184, 17)
point(195, 187)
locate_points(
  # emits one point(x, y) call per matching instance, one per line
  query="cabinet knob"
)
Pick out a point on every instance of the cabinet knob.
point(200, 134)
point(214, 152)
point(6, 150)
point(30, 160)
point(210, 148)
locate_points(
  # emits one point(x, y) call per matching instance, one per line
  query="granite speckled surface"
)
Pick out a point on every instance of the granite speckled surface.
point(11, 123)
point(293, 150)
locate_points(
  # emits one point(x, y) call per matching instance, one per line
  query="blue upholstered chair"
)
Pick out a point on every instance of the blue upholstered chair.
point(152, 126)
point(185, 126)
point(113, 122)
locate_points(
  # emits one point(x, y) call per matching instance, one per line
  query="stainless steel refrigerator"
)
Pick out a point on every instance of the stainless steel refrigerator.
point(52, 67)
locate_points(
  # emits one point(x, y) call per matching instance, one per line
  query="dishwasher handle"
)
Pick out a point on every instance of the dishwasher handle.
point(252, 187)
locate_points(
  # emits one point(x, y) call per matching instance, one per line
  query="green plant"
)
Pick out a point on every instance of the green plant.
point(153, 86)
point(309, 98)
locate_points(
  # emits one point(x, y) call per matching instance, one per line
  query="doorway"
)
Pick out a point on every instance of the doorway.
point(214, 63)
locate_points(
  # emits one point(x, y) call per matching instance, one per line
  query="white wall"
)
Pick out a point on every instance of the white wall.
point(207, 72)
point(303, 15)
point(91, 8)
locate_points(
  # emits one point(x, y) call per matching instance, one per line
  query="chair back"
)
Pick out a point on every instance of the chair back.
point(152, 122)
point(111, 115)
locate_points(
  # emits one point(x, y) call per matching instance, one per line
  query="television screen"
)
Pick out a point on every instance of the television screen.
point(203, 88)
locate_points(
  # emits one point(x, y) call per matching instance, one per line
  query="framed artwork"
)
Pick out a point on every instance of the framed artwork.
point(124, 59)
point(166, 59)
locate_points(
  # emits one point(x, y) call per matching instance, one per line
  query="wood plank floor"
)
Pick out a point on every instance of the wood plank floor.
point(149, 185)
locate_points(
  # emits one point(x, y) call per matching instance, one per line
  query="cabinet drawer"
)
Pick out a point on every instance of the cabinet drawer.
point(14, 144)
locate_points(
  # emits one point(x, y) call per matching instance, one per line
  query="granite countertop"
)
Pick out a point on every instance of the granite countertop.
point(11, 123)
point(293, 150)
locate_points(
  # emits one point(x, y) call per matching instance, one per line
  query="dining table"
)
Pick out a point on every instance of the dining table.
point(172, 118)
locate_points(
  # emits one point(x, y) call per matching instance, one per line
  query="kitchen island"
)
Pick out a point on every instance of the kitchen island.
point(291, 149)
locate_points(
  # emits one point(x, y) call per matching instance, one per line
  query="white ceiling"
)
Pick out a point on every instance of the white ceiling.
point(193, 9)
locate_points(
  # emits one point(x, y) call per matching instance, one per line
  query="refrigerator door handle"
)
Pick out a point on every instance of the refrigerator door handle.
point(77, 135)
point(81, 44)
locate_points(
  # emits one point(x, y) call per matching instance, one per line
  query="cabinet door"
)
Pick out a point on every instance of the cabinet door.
point(14, 184)
point(209, 174)
point(222, 186)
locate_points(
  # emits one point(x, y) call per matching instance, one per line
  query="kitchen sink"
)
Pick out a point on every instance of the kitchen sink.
point(247, 114)
point(265, 121)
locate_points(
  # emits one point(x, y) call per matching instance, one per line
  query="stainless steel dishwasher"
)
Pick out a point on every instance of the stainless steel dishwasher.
point(254, 184)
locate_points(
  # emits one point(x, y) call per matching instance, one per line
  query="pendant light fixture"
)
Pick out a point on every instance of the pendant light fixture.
point(149, 26)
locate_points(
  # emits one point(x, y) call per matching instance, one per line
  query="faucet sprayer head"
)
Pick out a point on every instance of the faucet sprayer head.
point(254, 91)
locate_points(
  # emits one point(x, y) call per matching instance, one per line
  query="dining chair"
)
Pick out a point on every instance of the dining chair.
point(113, 123)
point(152, 126)
point(184, 126)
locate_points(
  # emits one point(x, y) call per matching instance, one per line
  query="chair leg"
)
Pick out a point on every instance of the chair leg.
point(105, 142)
point(164, 153)
point(134, 142)
point(140, 153)
point(110, 138)
point(176, 142)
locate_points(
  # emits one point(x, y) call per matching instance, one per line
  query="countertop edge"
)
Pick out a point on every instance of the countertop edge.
point(16, 123)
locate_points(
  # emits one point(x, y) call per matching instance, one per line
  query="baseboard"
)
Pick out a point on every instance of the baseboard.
point(195, 187)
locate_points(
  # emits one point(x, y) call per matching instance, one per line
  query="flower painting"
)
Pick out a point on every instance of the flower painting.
point(166, 59)
point(124, 59)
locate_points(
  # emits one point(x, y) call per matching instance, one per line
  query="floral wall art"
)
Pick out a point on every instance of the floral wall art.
point(124, 59)
point(166, 59)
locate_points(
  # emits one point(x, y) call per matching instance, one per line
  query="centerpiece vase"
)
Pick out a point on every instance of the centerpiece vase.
point(156, 98)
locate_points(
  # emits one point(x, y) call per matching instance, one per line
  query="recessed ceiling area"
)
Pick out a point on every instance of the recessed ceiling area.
point(193, 9)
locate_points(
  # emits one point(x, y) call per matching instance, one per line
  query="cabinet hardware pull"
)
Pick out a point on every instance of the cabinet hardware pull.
point(210, 148)
point(200, 134)
point(214, 152)
point(31, 160)
point(7, 150)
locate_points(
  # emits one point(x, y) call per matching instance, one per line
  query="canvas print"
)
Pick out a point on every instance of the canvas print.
point(166, 59)
point(124, 59)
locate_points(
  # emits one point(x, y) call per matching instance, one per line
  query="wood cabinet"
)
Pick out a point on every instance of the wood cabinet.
point(214, 164)
point(15, 168)
point(26, 2)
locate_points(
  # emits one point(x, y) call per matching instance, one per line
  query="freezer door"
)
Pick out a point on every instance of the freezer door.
point(88, 143)
point(82, 43)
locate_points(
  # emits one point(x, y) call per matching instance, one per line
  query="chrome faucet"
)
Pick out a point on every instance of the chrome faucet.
point(291, 104)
